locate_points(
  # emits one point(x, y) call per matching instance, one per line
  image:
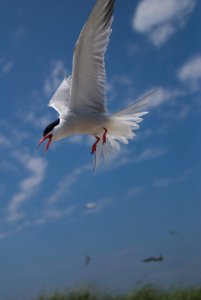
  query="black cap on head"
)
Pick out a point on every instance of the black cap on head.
point(50, 127)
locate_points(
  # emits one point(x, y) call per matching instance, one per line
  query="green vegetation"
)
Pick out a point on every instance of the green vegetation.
point(144, 293)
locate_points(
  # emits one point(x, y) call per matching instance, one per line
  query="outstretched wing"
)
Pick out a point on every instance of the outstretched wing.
point(88, 76)
point(60, 100)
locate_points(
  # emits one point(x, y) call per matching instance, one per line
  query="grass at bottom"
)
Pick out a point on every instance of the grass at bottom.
point(147, 292)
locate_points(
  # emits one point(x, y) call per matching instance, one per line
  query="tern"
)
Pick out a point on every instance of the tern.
point(153, 259)
point(87, 259)
point(80, 100)
point(90, 205)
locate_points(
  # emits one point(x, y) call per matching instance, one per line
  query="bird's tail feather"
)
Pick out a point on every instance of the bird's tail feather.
point(121, 128)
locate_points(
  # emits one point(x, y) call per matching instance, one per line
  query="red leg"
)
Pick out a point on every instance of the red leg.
point(104, 135)
point(93, 149)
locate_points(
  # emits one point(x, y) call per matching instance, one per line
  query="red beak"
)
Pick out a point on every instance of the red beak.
point(49, 136)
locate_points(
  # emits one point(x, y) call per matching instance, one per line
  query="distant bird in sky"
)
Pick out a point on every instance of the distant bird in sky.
point(173, 232)
point(153, 259)
point(87, 260)
point(90, 205)
point(80, 99)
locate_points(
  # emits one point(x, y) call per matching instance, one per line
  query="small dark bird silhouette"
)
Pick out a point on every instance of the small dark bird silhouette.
point(87, 260)
point(173, 232)
point(153, 259)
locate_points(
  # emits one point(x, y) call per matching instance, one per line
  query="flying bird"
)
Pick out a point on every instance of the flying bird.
point(87, 260)
point(153, 259)
point(80, 100)
point(173, 232)
point(90, 205)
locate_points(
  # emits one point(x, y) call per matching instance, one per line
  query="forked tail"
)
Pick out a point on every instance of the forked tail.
point(121, 128)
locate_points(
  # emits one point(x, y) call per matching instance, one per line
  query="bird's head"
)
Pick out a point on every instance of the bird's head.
point(48, 134)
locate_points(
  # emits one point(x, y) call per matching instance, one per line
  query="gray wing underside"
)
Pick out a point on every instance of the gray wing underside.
point(88, 76)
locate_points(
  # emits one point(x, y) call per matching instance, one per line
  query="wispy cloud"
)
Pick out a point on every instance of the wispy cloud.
point(2, 187)
point(132, 49)
point(36, 166)
point(190, 73)
point(150, 153)
point(58, 71)
point(136, 190)
point(27, 189)
point(10, 232)
point(19, 33)
point(6, 66)
point(81, 139)
point(115, 84)
point(161, 96)
point(159, 20)
point(4, 234)
point(7, 165)
point(53, 214)
point(46, 216)
point(128, 157)
point(4, 141)
point(165, 182)
point(64, 186)
point(38, 115)
point(36, 120)
point(175, 110)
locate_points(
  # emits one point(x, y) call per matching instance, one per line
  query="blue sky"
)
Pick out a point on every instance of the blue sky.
point(150, 189)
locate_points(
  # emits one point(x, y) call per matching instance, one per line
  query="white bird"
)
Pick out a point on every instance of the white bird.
point(80, 99)
point(90, 205)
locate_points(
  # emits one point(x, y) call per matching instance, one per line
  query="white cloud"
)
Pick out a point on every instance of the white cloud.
point(122, 79)
point(36, 120)
point(50, 215)
point(4, 234)
point(136, 190)
point(6, 66)
point(64, 186)
point(38, 115)
point(161, 34)
point(2, 188)
point(162, 95)
point(19, 33)
point(36, 167)
point(160, 19)
point(126, 156)
point(190, 73)
point(7, 233)
point(184, 112)
point(176, 109)
point(115, 83)
point(56, 76)
point(7, 165)
point(157, 96)
point(76, 139)
point(150, 153)
point(165, 182)
point(132, 49)
point(4, 141)
point(47, 215)
point(84, 140)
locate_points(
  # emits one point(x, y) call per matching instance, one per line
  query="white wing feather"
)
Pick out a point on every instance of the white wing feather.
point(88, 76)
point(60, 100)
